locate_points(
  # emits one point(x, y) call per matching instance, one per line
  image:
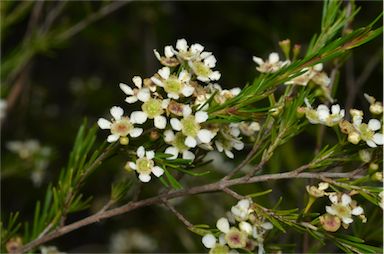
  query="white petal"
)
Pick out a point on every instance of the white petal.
point(104, 124)
point(330, 210)
point(273, 58)
point(370, 143)
point(150, 155)
point(164, 72)
point(140, 152)
point(188, 155)
point(187, 91)
point(117, 112)
point(357, 210)
point(112, 138)
point(347, 220)
point(157, 171)
point(244, 204)
point(223, 225)
point(235, 91)
point(214, 75)
point(246, 227)
point(258, 60)
point(219, 146)
point(333, 198)
point(173, 96)
point(143, 94)
point(197, 48)
point(374, 124)
point(169, 136)
point(229, 154)
point(160, 122)
point(222, 240)
point(205, 136)
point(165, 103)
point(378, 138)
point(137, 81)
point(126, 89)
point(335, 109)
point(157, 81)
point(345, 199)
point(144, 178)
point(132, 165)
point(157, 54)
point(209, 241)
point(131, 99)
point(190, 142)
point(210, 61)
point(135, 132)
point(238, 146)
point(187, 110)
point(184, 76)
point(168, 51)
point(138, 117)
point(201, 116)
point(203, 79)
point(173, 151)
point(267, 225)
point(181, 44)
point(318, 67)
point(176, 124)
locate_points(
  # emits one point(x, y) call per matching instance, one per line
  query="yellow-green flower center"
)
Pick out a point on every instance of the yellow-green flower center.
point(201, 69)
point(365, 132)
point(152, 108)
point(144, 165)
point(172, 85)
point(189, 126)
point(121, 127)
point(342, 211)
point(219, 249)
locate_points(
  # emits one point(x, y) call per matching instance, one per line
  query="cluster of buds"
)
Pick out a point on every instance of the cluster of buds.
point(174, 104)
point(243, 229)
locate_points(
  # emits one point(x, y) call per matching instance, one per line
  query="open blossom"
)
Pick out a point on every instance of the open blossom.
point(195, 52)
point(322, 115)
point(228, 139)
point(317, 191)
point(152, 109)
point(314, 74)
point(169, 59)
point(178, 145)
point(120, 126)
point(242, 209)
point(140, 93)
point(343, 207)
point(367, 132)
point(203, 69)
point(191, 128)
point(173, 85)
point(145, 165)
point(271, 65)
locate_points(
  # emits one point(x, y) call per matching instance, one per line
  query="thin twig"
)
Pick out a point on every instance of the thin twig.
point(177, 214)
point(213, 187)
point(233, 193)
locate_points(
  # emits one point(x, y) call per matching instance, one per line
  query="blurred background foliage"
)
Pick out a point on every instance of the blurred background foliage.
point(62, 61)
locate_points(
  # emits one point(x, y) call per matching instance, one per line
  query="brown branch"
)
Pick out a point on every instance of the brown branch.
point(212, 187)
point(177, 214)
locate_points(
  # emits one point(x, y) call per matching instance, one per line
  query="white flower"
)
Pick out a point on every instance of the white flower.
point(169, 59)
point(242, 209)
point(203, 69)
point(223, 225)
point(249, 128)
point(25, 149)
point(271, 65)
point(341, 207)
point(195, 52)
point(191, 128)
point(367, 131)
point(312, 73)
point(140, 93)
point(144, 165)
point(152, 109)
point(120, 127)
point(228, 138)
point(173, 85)
point(322, 115)
point(178, 145)
point(209, 241)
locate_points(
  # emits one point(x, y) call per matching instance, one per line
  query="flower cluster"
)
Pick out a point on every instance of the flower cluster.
point(356, 130)
point(173, 104)
point(243, 230)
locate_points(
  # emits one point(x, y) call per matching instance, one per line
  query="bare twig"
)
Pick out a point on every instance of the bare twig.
point(177, 214)
point(233, 193)
point(212, 187)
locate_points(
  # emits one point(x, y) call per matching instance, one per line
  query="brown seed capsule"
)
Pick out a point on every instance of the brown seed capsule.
point(14, 244)
point(330, 223)
point(154, 135)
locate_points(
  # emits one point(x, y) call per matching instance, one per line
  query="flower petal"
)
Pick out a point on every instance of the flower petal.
point(201, 116)
point(143, 94)
point(131, 99)
point(378, 138)
point(135, 132)
point(172, 151)
point(160, 122)
point(104, 124)
point(126, 89)
point(169, 136)
point(137, 81)
point(117, 112)
point(176, 124)
point(214, 75)
point(168, 51)
point(346, 199)
point(205, 136)
point(209, 241)
point(144, 178)
point(223, 225)
point(187, 91)
point(132, 165)
point(374, 124)
point(357, 210)
point(140, 152)
point(138, 117)
point(181, 44)
point(187, 110)
point(330, 210)
point(188, 155)
point(347, 220)
point(150, 155)
point(112, 138)
point(229, 154)
point(190, 142)
point(164, 72)
point(157, 171)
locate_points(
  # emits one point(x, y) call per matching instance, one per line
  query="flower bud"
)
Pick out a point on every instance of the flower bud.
point(373, 166)
point(154, 135)
point(354, 138)
point(376, 108)
point(14, 244)
point(378, 176)
point(365, 156)
point(296, 51)
point(124, 140)
point(285, 46)
point(330, 223)
point(128, 168)
point(345, 127)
